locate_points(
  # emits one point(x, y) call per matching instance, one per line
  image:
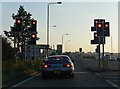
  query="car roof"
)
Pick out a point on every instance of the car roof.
point(59, 56)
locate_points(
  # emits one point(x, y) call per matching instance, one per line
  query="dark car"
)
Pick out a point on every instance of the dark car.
point(58, 65)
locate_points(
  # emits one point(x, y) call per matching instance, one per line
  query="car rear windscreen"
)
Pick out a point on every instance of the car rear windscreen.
point(55, 60)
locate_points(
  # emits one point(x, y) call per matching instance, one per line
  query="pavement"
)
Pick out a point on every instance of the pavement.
point(94, 66)
point(100, 69)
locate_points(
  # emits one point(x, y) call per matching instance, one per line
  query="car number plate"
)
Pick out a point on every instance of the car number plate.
point(57, 72)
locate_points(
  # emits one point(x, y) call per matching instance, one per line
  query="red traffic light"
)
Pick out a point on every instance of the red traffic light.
point(18, 21)
point(33, 22)
point(33, 36)
point(106, 25)
point(99, 25)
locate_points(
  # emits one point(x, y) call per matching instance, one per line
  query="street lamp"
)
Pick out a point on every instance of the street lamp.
point(67, 45)
point(48, 20)
point(62, 39)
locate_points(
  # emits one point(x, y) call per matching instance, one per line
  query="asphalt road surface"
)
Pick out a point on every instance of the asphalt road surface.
point(83, 78)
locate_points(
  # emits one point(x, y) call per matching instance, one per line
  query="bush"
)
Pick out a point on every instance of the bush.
point(12, 70)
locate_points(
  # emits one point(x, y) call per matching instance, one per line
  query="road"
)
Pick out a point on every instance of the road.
point(83, 78)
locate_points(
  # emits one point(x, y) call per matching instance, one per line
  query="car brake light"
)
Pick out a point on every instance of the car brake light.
point(45, 66)
point(68, 65)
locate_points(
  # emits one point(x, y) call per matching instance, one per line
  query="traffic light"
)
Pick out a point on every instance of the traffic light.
point(33, 36)
point(33, 25)
point(93, 29)
point(19, 25)
point(98, 49)
point(95, 35)
point(99, 29)
point(97, 39)
point(98, 21)
point(95, 22)
point(33, 39)
point(80, 49)
point(106, 29)
point(59, 49)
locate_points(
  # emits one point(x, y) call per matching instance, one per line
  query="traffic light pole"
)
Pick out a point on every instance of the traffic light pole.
point(99, 49)
point(103, 43)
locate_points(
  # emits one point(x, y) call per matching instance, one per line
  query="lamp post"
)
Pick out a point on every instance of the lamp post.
point(67, 45)
point(48, 20)
point(62, 39)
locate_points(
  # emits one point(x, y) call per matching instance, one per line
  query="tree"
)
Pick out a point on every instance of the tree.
point(8, 52)
point(26, 16)
point(20, 38)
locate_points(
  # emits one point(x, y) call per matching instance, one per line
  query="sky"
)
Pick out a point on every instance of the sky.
point(72, 18)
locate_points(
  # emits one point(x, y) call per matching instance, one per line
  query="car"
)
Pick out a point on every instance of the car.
point(113, 59)
point(58, 65)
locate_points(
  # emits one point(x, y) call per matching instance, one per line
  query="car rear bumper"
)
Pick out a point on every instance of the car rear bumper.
point(58, 72)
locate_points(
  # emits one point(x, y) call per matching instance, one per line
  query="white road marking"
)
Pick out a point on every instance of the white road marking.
point(116, 80)
point(111, 77)
point(25, 81)
point(81, 72)
point(114, 85)
point(97, 74)
point(110, 74)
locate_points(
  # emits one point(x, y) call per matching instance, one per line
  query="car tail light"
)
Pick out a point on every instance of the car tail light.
point(68, 65)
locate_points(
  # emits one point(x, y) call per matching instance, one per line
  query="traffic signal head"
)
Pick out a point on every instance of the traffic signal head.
point(102, 20)
point(33, 36)
point(33, 25)
point(95, 35)
point(96, 21)
point(80, 49)
point(93, 29)
point(32, 41)
point(99, 28)
point(106, 29)
point(18, 25)
point(98, 49)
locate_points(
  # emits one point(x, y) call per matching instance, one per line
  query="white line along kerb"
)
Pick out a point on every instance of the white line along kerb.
point(25, 81)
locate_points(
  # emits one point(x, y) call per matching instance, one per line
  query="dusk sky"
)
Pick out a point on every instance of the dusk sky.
point(74, 18)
